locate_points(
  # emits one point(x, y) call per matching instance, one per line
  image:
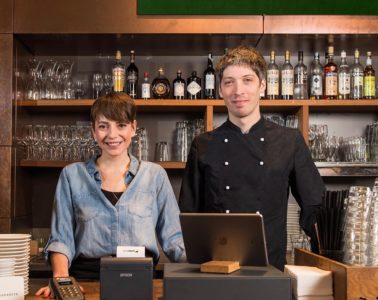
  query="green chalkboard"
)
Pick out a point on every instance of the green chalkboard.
point(257, 7)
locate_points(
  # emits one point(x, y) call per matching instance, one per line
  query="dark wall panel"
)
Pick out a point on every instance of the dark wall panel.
point(6, 16)
point(6, 57)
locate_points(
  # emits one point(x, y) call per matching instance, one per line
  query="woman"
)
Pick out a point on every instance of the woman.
point(111, 200)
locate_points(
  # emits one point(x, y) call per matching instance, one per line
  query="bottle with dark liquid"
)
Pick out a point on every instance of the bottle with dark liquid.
point(179, 86)
point(209, 75)
point(160, 86)
point(330, 77)
point(193, 86)
point(132, 77)
point(369, 78)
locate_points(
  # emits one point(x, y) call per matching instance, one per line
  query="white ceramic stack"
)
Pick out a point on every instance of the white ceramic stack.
point(292, 224)
point(7, 266)
point(17, 247)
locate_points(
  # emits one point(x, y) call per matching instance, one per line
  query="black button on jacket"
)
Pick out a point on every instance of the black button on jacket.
point(229, 170)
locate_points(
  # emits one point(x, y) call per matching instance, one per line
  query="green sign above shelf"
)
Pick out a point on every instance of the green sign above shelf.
point(257, 7)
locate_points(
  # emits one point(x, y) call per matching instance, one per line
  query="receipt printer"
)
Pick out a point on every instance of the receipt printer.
point(126, 278)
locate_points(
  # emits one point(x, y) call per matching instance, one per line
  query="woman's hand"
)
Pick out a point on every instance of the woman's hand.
point(45, 292)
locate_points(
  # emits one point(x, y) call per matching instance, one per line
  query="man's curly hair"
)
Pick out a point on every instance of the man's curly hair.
point(243, 55)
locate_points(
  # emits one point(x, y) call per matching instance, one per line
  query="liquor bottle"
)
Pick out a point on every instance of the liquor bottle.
point(193, 87)
point(300, 79)
point(316, 78)
point(344, 78)
point(209, 75)
point(132, 77)
point(118, 74)
point(178, 86)
point(146, 86)
point(357, 78)
point(330, 77)
point(272, 78)
point(369, 78)
point(160, 86)
point(287, 78)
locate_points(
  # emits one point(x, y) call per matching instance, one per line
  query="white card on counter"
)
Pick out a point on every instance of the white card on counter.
point(131, 251)
point(12, 288)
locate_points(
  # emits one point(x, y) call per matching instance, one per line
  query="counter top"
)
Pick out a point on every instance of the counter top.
point(92, 289)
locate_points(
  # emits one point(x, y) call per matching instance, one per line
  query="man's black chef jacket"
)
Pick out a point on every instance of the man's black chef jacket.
point(245, 173)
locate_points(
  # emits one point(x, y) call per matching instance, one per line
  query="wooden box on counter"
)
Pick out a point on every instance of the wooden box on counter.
point(349, 282)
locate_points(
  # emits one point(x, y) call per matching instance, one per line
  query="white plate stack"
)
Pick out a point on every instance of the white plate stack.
point(7, 266)
point(293, 227)
point(17, 247)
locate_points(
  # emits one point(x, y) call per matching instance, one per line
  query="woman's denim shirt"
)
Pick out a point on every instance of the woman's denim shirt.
point(85, 223)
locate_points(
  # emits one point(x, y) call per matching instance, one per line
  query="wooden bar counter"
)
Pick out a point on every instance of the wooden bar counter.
point(92, 289)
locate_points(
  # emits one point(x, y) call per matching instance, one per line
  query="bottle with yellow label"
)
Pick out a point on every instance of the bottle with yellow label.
point(118, 74)
point(369, 78)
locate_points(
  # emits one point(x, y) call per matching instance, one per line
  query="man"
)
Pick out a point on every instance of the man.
point(248, 164)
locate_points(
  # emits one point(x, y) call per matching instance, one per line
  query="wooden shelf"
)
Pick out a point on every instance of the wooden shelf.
point(325, 169)
point(168, 165)
point(347, 169)
point(203, 102)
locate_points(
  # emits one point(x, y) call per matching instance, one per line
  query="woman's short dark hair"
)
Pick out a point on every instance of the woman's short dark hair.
point(118, 107)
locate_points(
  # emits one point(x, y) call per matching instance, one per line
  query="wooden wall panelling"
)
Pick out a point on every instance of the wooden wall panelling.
point(6, 59)
point(6, 16)
point(119, 16)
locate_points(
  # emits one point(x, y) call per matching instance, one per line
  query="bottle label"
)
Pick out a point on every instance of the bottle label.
point(369, 86)
point(344, 84)
point(331, 84)
point(272, 82)
point(300, 78)
point(357, 85)
point(316, 85)
point(194, 88)
point(146, 91)
point(179, 89)
point(160, 88)
point(118, 79)
point(210, 81)
point(131, 77)
point(287, 82)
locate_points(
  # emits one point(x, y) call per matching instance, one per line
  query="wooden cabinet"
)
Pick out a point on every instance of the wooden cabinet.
point(90, 33)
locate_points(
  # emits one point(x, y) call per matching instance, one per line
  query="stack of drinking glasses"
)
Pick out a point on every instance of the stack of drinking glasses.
point(57, 142)
point(139, 146)
point(372, 251)
point(186, 131)
point(372, 142)
point(332, 148)
point(290, 121)
point(356, 238)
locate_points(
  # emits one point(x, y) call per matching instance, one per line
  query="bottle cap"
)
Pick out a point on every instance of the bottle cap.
point(146, 74)
point(343, 54)
point(118, 55)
